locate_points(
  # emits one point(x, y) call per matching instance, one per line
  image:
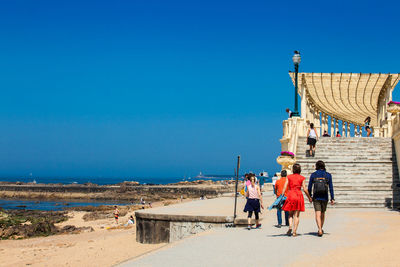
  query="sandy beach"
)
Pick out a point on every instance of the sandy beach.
point(107, 245)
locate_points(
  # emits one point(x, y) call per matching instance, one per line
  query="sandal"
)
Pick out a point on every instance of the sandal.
point(320, 234)
point(289, 232)
point(294, 234)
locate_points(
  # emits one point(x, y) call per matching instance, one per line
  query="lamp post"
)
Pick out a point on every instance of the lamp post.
point(296, 60)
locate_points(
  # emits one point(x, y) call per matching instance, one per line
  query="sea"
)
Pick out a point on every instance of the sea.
point(61, 205)
point(109, 181)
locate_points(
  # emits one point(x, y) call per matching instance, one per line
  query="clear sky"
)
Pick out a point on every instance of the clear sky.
point(169, 88)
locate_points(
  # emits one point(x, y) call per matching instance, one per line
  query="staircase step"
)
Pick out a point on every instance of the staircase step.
point(364, 170)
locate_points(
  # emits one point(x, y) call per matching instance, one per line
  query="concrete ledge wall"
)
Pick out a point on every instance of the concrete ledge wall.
point(154, 228)
point(396, 144)
point(179, 230)
point(150, 231)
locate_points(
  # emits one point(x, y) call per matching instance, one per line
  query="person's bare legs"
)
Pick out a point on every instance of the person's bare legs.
point(314, 150)
point(291, 219)
point(311, 150)
point(289, 232)
point(296, 220)
point(368, 132)
point(322, 219)
point(318, 219)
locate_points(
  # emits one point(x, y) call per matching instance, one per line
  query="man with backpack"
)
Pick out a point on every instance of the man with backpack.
point(320, 182)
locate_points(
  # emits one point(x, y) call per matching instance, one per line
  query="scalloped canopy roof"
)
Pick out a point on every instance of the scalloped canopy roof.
point(347, 96)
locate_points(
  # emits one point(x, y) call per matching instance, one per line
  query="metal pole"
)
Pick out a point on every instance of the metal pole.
point(296, 104)
point(236, 187)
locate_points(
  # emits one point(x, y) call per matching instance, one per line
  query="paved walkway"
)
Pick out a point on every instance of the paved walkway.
point(268, 246)
point(220, 207)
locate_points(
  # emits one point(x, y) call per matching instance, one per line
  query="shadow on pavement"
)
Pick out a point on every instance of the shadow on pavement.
point(316, 233)
point(280, 235)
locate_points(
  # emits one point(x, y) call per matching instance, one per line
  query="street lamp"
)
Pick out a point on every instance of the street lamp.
point(296, 60)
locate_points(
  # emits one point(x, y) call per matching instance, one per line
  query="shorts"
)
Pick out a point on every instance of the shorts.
point(320, 205)
point(311, 141)
point(367, 127)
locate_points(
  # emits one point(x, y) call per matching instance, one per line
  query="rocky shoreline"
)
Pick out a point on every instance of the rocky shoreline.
point(20, 224)
point(126, 191)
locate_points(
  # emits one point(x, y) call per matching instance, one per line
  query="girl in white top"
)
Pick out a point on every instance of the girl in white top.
point(312, 138)
point(254, 202)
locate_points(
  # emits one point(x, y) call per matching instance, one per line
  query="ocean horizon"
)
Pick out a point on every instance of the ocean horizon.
point(114, 180)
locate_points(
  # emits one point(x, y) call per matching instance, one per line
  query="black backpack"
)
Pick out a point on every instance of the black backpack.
point(320, 186)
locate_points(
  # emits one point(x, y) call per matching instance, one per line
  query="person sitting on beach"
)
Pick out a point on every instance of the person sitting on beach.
point(254, 202)
point(116, 214)
point(278, 191)
point(130, 221)
point(294, 203)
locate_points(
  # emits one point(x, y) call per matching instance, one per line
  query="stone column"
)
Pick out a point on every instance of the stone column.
point(343, 128)
point(322, 124)
point(332, 127)
point(348, 129)
point(317, 123)
point(303, 104)
point(326, 122)
point(336, 126)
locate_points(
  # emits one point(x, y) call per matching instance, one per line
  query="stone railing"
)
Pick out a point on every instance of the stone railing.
point(293, 128)
point(394, 126)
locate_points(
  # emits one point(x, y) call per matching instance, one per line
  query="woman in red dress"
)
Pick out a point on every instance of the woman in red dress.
point(295, 200)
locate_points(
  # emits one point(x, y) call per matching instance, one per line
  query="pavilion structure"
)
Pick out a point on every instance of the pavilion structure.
point(340, 102)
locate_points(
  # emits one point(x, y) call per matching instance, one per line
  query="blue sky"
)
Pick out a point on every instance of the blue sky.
point(169, 88)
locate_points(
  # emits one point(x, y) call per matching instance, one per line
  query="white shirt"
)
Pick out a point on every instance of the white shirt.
point(312, 134)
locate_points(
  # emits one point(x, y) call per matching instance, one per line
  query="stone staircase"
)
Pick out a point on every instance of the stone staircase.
point(364, 170)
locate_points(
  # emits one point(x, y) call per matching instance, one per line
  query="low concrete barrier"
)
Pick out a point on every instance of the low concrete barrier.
point(165, 228)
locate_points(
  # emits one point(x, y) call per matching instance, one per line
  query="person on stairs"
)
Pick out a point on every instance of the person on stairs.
point(367, 122)
point(320, 181)
point(312, 138)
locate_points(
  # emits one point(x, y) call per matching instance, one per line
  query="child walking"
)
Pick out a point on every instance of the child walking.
point(254, 202)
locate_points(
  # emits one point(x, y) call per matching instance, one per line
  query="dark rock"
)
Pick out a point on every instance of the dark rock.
point(71, 229)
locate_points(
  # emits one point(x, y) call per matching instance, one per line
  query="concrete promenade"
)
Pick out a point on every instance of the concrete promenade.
point(346, 230)
point(215, 207)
